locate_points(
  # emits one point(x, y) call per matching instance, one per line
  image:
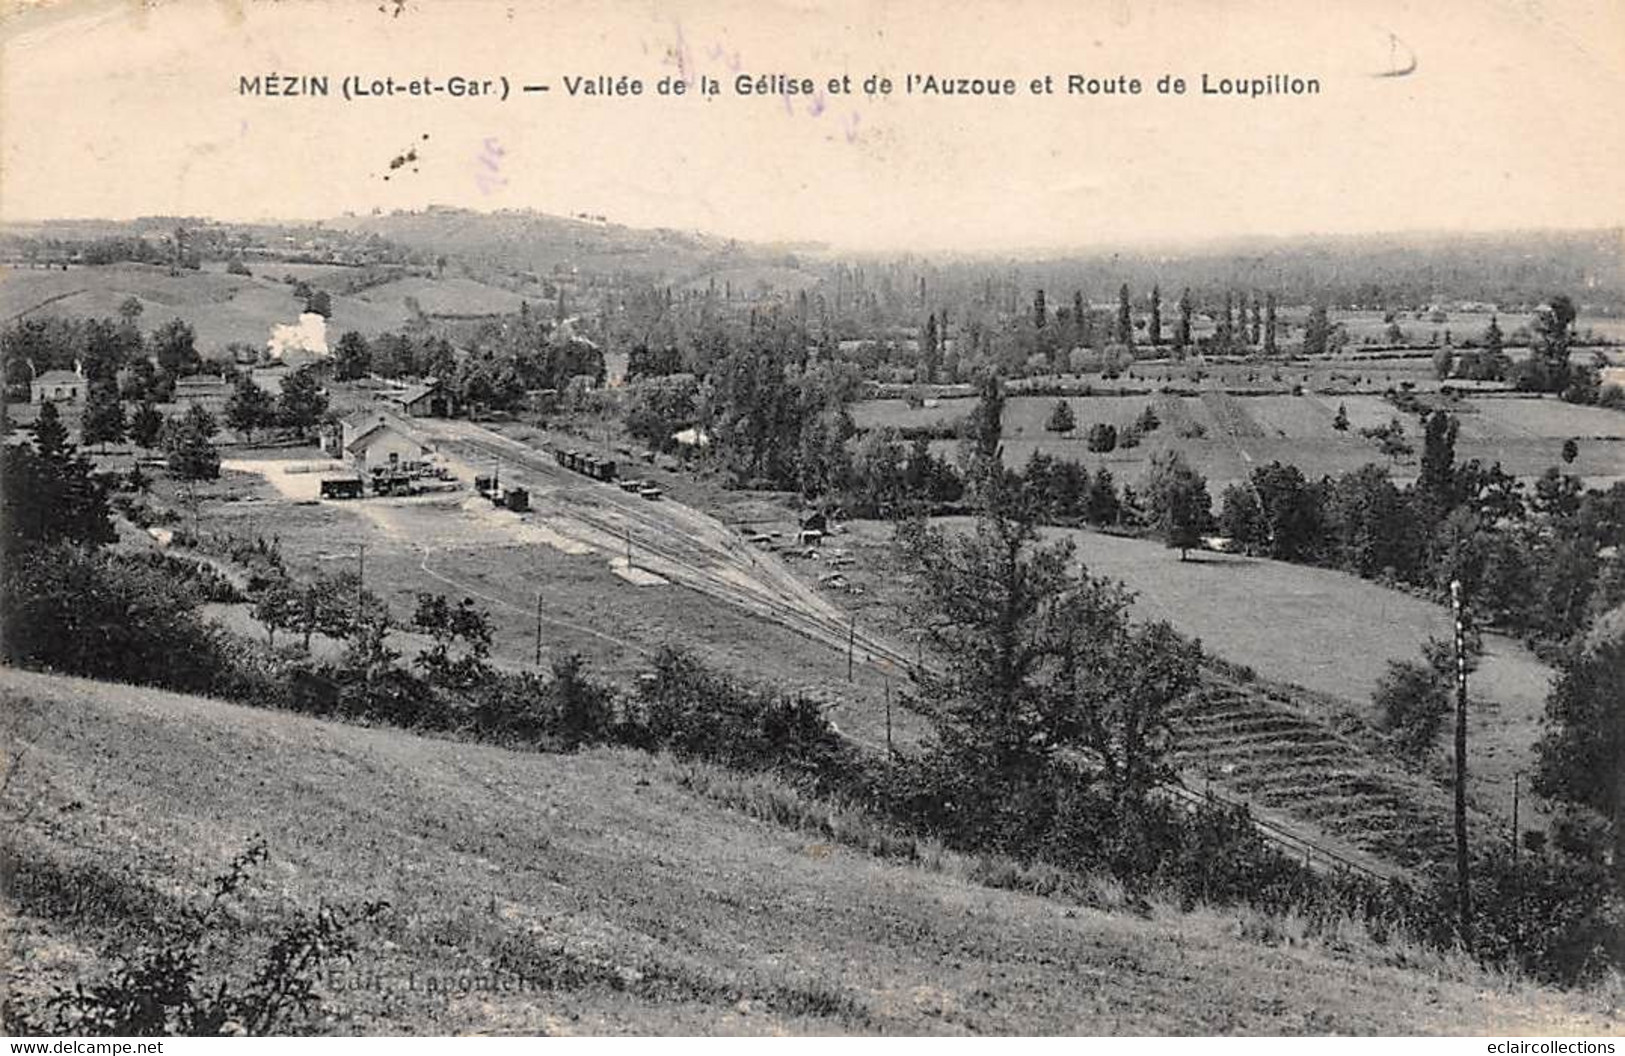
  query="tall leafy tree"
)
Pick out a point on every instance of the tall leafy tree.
point(1101, 505)
point(1370, 526)
point(982, 452)
point(1182, 329)
point(249, 408)
point(1241, 519)
point(103, 421)
point(50, 435)
point(352, 358)
point(191, 451)
point(146, 424)
point(1553, 336)
point(1037, 658)
point(1438, 476)
point(1061, 419)
point(1292, 511)
point(302, 401)
point(1177, 501)
point(174, 346)
point(1125, 318)
point(1582, 756)
point(49, 494)
point(1317, 332)
point(1269, 324)
point(1155, 325)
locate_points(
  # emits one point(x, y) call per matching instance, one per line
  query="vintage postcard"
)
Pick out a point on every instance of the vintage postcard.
point(863, 517)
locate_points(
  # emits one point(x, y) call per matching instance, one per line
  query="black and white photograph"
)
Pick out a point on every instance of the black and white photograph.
point(877, 518)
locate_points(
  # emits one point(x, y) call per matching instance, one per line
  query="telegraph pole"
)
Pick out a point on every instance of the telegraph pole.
point(1463, 885)
point(1516, 775)
point(538, 627)
point(889, 752)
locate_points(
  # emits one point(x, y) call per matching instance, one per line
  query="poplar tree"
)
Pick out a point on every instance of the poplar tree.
point(1125, 318)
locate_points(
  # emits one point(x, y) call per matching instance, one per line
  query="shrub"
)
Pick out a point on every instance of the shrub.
point(158, 991)
point(1413, 700)
point(107, 616)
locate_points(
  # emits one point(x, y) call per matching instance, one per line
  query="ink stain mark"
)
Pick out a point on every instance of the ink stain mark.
point(409, 156)
point(1395, 69)
point(392, 8)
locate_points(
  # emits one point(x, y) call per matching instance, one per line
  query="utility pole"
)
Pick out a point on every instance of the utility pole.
point(889, 752)
point(851, 645)
point(1463, 885)
point(1516, 775)
point(538, 627)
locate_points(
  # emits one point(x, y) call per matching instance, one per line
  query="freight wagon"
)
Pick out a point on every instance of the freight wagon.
point(586, 464)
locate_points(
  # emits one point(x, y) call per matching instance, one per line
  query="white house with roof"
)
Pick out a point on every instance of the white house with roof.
point(378, 439)
point(57, 386)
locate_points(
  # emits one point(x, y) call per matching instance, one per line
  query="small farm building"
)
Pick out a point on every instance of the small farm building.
point(379, 440)
point(56, 386)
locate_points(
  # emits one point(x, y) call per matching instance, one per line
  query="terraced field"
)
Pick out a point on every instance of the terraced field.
point(1254, 743)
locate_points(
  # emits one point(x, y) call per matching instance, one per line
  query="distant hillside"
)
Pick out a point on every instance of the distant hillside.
point(626, 897)
point(223, 308)
point(538, 243)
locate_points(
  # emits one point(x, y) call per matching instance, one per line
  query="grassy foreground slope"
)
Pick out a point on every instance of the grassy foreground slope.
point(641, 905)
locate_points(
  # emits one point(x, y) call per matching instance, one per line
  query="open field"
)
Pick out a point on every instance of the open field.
point(628, 898)
point(446, 296)
point(1225, 436)
point(1331, 633)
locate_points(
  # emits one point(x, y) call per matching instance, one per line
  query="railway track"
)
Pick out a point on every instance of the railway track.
point(710, 557)
point(762, 585)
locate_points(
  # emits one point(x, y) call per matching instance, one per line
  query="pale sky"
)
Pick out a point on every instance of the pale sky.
point(1512, 118)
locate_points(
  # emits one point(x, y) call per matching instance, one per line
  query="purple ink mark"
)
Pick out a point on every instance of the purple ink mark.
point(490, 160)
point(683, 57)
point(680, 55)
